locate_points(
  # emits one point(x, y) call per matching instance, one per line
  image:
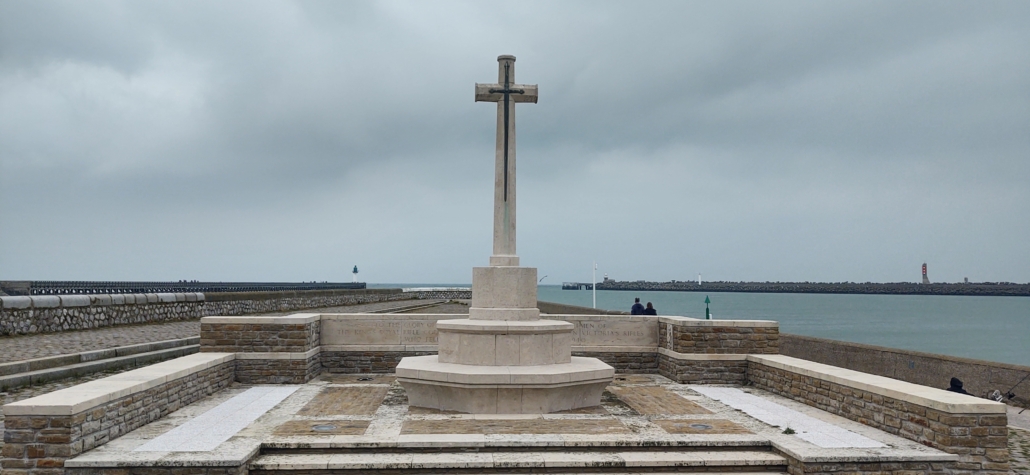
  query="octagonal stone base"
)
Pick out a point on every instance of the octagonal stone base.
point(503, 389)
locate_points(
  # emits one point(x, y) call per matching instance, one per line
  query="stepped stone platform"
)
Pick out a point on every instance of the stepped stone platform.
point(340, 423)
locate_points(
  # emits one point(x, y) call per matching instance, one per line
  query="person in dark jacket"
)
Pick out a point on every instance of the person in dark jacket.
point(650, 310)
point(636, 309)
point(956, 386)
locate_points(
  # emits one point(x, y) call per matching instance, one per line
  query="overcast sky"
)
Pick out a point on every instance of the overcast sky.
point(290, 141)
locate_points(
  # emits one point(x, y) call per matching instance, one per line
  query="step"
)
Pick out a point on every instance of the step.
point(28, 378)
point(760, 462)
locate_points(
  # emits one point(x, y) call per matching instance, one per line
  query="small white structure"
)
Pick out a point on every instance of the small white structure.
point(504, 358)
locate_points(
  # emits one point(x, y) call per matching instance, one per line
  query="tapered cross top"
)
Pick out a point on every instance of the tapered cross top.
point(505, 93)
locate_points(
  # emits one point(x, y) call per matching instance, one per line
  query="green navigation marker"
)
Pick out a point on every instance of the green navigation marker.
point(708, 313)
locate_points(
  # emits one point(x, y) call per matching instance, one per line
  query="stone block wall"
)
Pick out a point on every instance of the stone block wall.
point(684, 369)
point(38, 444)
point(625, 362)
point(366, 361)
point(691, 336)
point(269, 350)
point(978, 437)
point(712, 351)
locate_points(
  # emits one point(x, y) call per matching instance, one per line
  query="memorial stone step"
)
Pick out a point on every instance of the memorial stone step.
point(739, 462)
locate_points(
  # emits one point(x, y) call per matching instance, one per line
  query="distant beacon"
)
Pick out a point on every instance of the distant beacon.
point(926, 280)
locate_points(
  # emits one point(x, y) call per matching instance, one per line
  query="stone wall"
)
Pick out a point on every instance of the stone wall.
point(625, 362)
point(973, 430)
point(979, 377)
point(703, 369)
point(712, 351)
point(247, 303)
point(366, 361)
point(39, 437)
point(269, 350)
point(53, 313)
point(684, 335)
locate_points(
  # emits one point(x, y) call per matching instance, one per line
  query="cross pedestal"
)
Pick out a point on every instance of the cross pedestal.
point(504, 358)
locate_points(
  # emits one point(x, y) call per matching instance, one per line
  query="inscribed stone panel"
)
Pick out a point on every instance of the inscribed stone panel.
point(614, 332)
point(394, 331)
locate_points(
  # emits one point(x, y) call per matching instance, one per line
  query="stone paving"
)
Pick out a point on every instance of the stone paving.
point(26, 347)
point(302, 421)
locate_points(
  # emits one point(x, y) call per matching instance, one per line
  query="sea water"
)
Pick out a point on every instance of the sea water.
point(986, 328)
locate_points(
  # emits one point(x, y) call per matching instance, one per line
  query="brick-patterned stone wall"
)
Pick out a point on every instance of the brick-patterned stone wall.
point(241, 470)
point(719, 336)
point(697, 371)
point(258, 337)
point(366, 361)
point(980, 440)
point(39, 445)
point(796, 467)
point(273, 371)
point(625, 362)
point(271, 350)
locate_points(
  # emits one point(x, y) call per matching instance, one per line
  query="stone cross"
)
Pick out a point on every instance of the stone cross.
point(505, 93)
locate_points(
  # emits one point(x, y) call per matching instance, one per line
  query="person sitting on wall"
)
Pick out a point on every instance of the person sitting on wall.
point(650, 310)
point(636, 309)
point(956, 386)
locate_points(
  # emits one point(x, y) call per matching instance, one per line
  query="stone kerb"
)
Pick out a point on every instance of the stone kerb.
point(268, 350)
point(698, 351)
point(42, 432)
point(975, 429)
point(25, 315)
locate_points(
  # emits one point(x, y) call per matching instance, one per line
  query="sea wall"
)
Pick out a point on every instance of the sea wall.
point(927, 369)
point(23, 315)
point(897, 288)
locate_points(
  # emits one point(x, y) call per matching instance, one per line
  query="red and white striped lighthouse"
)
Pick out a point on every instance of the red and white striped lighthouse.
point(926, 280)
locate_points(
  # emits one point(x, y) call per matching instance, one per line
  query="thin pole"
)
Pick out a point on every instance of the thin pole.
point(593, 283)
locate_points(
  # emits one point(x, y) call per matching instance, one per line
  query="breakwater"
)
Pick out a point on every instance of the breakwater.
point(897, 288)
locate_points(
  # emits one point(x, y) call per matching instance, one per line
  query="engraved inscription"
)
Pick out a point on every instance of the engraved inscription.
point(379, 332)
point(614, 333)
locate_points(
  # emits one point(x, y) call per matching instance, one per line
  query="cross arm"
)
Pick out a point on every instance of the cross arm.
point(529, 93)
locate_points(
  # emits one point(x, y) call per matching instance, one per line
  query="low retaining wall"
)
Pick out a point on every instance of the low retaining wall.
point(269, 350)
point(53, 313)
point(974, 429)
point(978, 376)
point(42, 432)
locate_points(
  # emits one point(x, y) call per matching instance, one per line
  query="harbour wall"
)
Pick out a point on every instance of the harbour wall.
point(24, 315)
point(927, 369)
point(895, 288)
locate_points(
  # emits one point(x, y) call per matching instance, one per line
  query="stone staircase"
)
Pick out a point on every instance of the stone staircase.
point(515, 458)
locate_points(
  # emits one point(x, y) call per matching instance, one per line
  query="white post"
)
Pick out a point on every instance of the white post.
point(593, 285)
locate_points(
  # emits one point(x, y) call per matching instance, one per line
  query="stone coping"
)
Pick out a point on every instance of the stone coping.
point(54, 301)
point(378, 348)
point(703, 356)
point(428, 369)
point(280, 355)
point(694, 322)
point(88, 395)
point(386, 316)
point(504, 326)
point(938, 399)
point(294, 319)
point(434, 348)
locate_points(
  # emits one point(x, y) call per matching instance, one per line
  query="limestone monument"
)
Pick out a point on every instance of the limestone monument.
point(504, 359)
